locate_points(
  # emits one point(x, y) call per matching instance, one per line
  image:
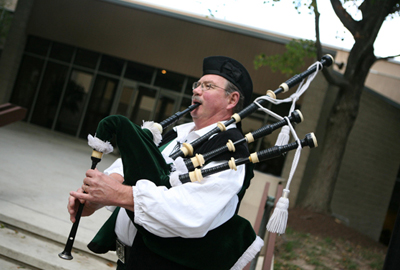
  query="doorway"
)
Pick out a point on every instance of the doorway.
point(140, 102)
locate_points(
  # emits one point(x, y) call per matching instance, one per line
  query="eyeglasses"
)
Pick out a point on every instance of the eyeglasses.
point(205, 86)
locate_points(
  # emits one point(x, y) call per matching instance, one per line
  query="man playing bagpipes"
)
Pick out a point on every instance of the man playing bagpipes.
point(160, 224)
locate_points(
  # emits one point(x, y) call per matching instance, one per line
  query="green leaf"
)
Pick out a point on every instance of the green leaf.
point(292, 61)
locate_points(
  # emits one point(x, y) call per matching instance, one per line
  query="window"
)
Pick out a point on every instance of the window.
point(169, 80)
point(37, 46)
point(111, 65)
point(73, 102)
point(144, 105)
point(86, 58)
point(189, 84)
point(61, 52)
point(99, 105)
point(139, 72)
point(56, 91)
point(49, 96)
point(27, 82)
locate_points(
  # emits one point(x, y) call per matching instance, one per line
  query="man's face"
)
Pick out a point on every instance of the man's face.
point(214, 102)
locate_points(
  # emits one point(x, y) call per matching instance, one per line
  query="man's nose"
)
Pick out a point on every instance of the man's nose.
point(197, 91)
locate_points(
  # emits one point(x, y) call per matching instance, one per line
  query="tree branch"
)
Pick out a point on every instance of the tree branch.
point(318, 44)
point(374, 14)
point(344, 17)
point(387, 57)
point(328, 74)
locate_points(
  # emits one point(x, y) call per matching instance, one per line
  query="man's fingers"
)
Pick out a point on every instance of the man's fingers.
point(79, 195)
point(90, 172)
point(71, 208)
point(74, 200)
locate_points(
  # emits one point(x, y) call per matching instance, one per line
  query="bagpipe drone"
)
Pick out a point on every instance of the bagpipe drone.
point(153, 166)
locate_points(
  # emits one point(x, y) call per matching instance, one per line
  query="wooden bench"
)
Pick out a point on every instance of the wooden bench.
point(10, 113)
point(264, 189)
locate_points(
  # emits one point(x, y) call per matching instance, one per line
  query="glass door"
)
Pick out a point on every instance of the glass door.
point(165, 107)
point(143, 105)
point(73, 102)
point(142, 102)
point(137, 101)
point(128, 95)
point(99, 104)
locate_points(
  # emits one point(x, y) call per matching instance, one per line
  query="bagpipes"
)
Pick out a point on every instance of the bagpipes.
point(151, 165)
point(105, 147)
point(197, 175)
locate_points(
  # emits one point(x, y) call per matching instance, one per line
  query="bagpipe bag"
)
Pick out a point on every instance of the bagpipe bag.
point(220, 248)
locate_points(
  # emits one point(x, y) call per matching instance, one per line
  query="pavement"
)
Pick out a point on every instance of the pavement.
point(38, 169)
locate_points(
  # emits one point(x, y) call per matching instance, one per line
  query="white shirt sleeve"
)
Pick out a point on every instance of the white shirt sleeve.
point(116, 167)
point(189, 210)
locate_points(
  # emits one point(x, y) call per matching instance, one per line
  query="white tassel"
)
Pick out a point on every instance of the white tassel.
point(169, 160)
point(174, 179)
point(154, 129)
point(99, 145)
point(278, 220)
point(284, 136)
point(178, 167)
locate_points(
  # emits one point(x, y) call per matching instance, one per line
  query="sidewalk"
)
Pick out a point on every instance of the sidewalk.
point(38, 168)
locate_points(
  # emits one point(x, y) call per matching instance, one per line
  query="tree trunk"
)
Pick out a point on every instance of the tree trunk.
point(344, 112)
point(340, 123)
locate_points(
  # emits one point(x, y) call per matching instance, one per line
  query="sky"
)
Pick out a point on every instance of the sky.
point(283, 19)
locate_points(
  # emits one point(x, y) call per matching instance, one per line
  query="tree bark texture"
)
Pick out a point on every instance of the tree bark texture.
point(344, 112)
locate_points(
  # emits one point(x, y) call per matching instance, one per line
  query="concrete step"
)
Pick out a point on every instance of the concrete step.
point(9, 264)
point(49, 227)
point(42, 253)
point(35, 239)
point(35, 184)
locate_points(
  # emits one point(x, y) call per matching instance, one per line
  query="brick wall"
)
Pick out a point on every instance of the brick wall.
point(369, 168)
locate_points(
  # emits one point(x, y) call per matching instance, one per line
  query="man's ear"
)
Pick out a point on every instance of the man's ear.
point(233, 100)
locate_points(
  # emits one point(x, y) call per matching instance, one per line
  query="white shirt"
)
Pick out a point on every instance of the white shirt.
point(189, 210)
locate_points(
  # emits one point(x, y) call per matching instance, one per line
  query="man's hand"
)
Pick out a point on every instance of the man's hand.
point(101, 190)
point(73, 205)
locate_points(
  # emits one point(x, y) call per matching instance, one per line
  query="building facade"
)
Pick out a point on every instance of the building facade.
point(73, 62)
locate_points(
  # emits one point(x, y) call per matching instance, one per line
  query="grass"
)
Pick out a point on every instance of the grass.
point(303, 251)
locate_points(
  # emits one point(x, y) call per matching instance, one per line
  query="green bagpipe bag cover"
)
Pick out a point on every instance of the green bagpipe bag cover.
point(141, 159)
point(218, 249)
